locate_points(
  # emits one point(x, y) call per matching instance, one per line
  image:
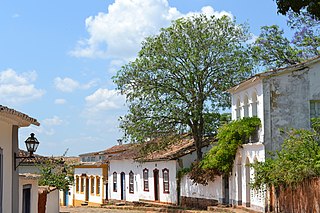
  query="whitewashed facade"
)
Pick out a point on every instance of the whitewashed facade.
point(120, 185)
point(282, 99)
point(89, 184)
point(10, 122)
point(152, 180)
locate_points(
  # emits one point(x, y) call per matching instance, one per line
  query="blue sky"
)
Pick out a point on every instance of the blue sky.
point(57, 59)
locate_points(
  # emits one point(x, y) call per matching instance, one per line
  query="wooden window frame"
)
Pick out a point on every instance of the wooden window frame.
point(145, 179)
point(77, 184)
point(131, 182)
point(92, 183)
point(114, 182)
point(166, 182)
point(82, 185)
point(98, 187)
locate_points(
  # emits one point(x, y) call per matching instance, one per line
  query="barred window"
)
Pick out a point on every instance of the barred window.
point(165, 174)
point(82, 184)
point(146, 180)
point(92, 185)
point(114, 181)
point(77, 183)
point(131, 182)
point(98, 186)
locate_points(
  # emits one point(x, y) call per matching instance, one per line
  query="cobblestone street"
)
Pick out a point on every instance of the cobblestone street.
point(97, 210)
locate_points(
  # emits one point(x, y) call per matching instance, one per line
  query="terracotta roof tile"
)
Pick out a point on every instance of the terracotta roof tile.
point(8, 112)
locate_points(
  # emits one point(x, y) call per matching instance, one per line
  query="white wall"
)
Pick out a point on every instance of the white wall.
point(249, 153)
point(52, 202)
point(211, 191)
point(6, 146)
point(126, 166)
point(90, 172)
point(34, 193)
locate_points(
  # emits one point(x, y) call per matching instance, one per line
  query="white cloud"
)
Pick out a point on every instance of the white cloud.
point(119, 32)
point(209, 11)
point(54, 121)
point(69, 85)
point(103, 100)
point(60, 101)
point(18, 88)
point(66, 84)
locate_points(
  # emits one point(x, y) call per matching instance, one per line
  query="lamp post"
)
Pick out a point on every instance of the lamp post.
point(32, 144)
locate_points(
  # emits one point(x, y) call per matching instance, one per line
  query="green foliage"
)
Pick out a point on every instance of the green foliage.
point(298, 160)
point(230, 137)
point(297, 6)
point(179, 80)
point(307, 33)
point(273, 50)
point(56, 173)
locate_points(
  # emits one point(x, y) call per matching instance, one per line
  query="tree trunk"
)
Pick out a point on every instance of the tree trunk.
point(198, 144)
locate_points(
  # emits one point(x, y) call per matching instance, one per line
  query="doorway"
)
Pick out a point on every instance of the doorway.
point(225, 181)
point(26, 199)
point(247, 172)
point(123, 185)
point(156, 184)
point(239, 181)
point(87, 189)
point(66, 197)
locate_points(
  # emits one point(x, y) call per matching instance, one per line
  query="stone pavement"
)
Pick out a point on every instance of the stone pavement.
point(131, 209)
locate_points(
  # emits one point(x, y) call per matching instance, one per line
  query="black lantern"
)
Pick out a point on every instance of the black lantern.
point(32, 144)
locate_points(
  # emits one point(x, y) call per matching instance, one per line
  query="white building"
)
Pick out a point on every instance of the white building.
point(10, 122)
point(153, 177)
point(91, 177)
point(283, 98)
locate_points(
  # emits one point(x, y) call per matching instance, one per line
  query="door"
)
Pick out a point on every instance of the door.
point(156, 184)
point(226, 188)
point(66, 197)
point(26, 199)
point(123, 186)
point(87, 189)
point(106, 190)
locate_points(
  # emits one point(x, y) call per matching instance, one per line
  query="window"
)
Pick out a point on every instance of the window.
point(114, 181)
point(83, 159)
point(246, 106)
point(92, 159)
point(238, 110)
point(145, 180)
point(165, 174)
point(77, 183)
point(131, 182)
point(92, 185)
point(98, 186)
point(254, 104)
point(314, 109)
point(82, 184)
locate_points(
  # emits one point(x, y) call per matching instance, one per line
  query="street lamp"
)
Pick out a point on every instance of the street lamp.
point(32, 144)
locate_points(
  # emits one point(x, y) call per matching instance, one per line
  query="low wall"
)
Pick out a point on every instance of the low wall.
point(303, 198)
point(197, 203)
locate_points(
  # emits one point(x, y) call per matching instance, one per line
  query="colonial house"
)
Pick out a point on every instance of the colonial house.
point(152, 177)
point(91, 177)
point(282, 98)
point(10, 198)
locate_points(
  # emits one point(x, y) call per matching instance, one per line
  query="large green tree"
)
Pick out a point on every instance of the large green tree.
point(273, 50)
point(312, 6)
point(178, 82)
